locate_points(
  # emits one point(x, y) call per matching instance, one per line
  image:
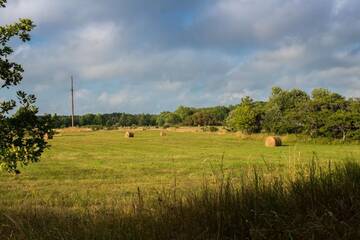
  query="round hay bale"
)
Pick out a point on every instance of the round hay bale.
point(129, 134)
point(273, 141)
point(48, 137)
point(162, 134)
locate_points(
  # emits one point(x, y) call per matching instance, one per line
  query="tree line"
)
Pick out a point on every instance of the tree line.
point(183, 116)
point(320, 114)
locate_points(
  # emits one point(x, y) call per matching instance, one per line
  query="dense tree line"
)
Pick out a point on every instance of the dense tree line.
point(106, 120)
point(321, 114)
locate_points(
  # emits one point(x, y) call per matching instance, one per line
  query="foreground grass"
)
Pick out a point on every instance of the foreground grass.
point(315, 203)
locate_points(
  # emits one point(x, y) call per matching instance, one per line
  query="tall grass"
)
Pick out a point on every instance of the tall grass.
point(314, 203)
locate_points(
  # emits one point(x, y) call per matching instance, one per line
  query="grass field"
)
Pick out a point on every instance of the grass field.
point(187, 185)
point(88, 168)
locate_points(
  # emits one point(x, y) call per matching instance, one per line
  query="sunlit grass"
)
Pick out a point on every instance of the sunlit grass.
point(91, 167)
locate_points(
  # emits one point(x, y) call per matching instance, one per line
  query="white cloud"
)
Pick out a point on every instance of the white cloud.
point(38, 10)
point(82, 94)
point(120, 98)
point(129, 56)
point(168, 85)
point(338, 6)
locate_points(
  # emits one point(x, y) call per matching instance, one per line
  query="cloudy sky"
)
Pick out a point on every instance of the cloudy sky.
point(150, 56)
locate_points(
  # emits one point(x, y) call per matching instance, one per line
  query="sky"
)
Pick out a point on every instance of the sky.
point(150, 56)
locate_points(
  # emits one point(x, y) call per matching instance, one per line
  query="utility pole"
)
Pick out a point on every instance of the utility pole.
point(72, 101)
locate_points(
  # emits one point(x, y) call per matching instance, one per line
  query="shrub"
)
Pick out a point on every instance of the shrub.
point(210, 129)
point(111, 128)
point(95, 127)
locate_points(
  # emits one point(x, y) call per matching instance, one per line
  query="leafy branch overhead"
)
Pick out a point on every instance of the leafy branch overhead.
point(21, 134)
point(11, 72)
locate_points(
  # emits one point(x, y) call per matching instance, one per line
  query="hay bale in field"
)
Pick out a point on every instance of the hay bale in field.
point(48, 137)
point(273, 141)
point(129, 134)
point(162, 134)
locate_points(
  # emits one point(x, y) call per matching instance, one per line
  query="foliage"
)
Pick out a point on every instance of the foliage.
point(168, 119)
point(210, 129)
point(323, 114)
point(184, 112)
point(245, 117)
point(108, 120)
point(21, 134)
point(281, 111)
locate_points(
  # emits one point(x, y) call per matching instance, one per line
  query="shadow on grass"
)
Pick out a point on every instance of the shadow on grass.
point(317, 203)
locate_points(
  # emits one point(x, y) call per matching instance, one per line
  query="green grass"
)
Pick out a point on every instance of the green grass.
point(100, 185)
point(316, 203)
point(90, 167)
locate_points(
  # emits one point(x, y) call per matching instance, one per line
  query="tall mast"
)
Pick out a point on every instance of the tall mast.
point(72, 101)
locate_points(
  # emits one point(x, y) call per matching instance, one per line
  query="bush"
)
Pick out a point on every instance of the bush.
point(213, 129)
point(210, 129)
point(111, 128)
point(95, 127)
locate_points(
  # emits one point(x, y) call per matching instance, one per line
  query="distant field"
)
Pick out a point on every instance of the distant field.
point(86, 168)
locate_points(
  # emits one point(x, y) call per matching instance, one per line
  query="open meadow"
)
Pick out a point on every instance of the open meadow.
point(89, 168)
point(185, 185)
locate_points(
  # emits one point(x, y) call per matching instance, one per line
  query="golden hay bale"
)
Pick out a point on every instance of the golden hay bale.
point(273, 141)
point(162, 134)
point(48, 137)
point(129, 134)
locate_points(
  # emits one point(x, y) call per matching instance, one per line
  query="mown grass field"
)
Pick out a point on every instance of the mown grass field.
point(90, 168)
point(100, 185)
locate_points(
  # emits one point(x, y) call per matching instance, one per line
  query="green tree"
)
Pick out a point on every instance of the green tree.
point(168, 118)
point(323, 99)
point(202, 118)
point(21, 134)
point(87, 119)
point(245, 117)
point(184, 112)
point(340, 124)
point(281, 115)
point(354, 107)
point(323, 112)
point(98, 119)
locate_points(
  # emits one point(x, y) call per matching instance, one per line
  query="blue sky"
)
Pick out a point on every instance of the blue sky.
point(151, 56)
